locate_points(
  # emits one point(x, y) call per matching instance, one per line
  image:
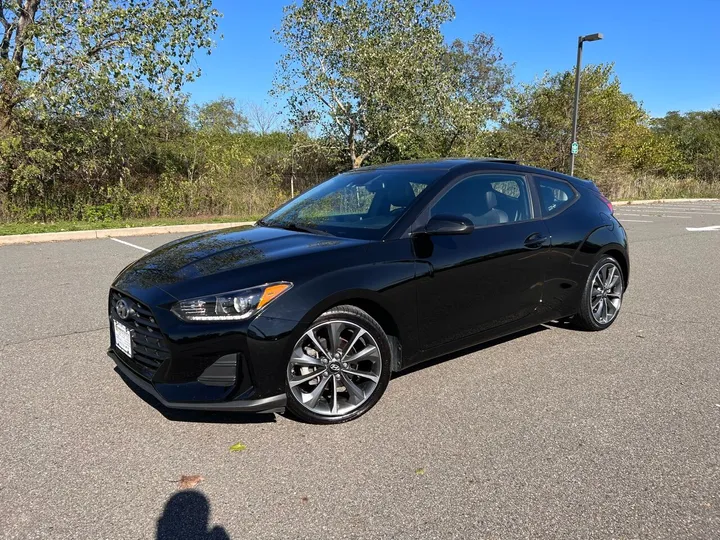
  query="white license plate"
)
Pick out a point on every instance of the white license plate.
point(123, 338)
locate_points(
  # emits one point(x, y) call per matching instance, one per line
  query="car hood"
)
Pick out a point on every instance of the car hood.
point(217, 252)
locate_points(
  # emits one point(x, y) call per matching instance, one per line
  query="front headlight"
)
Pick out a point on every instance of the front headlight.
point(230, 306)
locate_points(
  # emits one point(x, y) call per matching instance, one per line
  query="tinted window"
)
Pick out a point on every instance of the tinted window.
point(555, 195)
point(358, 204)
point(487, 199)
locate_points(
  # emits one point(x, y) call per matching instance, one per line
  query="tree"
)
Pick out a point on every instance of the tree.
point(482, 83)
point(371, 72)
point(220, 117)
point(697, 135)
point(613, 129)
point(63, 56)
point(263, 120)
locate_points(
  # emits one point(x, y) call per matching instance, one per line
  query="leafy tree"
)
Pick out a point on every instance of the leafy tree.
point(72, 76)
point(371, 72)
point(220, 116)
point(60, 56)
point(613, 129)
point(697, 135)
point(482, 83)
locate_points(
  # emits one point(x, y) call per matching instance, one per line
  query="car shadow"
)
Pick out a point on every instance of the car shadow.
point(207, 417)
point(469, 350)
point(186, 516)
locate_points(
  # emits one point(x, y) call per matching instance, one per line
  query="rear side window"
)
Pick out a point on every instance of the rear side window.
point(555, 195)
point(487, 199)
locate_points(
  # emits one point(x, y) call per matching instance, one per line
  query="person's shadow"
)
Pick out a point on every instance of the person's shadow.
point(186, 517)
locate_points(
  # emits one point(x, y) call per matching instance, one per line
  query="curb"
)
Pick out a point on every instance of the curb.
point(655, 201)
point(106, 233)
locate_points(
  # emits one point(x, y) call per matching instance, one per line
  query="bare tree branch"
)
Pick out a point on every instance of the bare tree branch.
point(3, 20)
point(26, 18)
point(333, 94)
point(387, 139)
point(333, 116)
point(263, 120)
point(5, 42)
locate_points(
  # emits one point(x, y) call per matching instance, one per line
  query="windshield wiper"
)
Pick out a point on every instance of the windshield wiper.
point(294, 227)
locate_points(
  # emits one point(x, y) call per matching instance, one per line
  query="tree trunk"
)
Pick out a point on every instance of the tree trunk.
point(351, 147)
point(10, 77)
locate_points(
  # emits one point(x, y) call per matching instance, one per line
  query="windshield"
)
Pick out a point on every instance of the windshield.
point(357, 204)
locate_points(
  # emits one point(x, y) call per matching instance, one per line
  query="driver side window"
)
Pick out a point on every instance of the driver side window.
point(487, 199)
point(351, 200)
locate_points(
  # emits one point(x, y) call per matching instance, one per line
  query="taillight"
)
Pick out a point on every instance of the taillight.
point(607, 202)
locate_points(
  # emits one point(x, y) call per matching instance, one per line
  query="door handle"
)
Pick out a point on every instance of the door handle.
point(535, 240)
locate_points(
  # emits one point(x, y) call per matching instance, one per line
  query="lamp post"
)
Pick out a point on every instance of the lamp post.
point(574, 147)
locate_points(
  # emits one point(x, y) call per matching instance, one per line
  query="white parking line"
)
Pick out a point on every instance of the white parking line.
point(700, 229)
point(675, 206)
point(131, 245)
point(703, 213)
point(637, 221)
point(652, 215)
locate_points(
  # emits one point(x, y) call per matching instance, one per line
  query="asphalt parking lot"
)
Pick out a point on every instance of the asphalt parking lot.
point(551, 434)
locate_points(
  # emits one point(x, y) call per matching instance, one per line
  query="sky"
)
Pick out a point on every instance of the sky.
point(666, 53)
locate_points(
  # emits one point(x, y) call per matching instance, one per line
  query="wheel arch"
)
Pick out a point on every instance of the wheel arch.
point(603, 241)
point(619, 255)
point(371, 302)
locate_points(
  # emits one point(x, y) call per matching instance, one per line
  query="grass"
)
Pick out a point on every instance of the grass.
point(623, 186)
point(62, 226)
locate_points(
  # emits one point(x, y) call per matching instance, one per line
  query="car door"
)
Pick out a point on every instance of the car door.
point(490, 278)
point(568, 224)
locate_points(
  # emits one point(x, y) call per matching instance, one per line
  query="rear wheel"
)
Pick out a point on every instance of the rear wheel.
point(338, 368)
point(603, 295)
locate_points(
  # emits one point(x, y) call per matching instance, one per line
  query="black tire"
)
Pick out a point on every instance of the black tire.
point(362, 319)
point(585, 320)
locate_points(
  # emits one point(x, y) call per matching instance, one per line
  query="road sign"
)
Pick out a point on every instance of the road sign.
point(574, 148)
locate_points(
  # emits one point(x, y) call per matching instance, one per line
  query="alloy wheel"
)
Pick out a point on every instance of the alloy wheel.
point(334, 368)
point(606, 294)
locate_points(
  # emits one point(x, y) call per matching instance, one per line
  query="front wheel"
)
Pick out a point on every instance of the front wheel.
point(602, 297)
point(339, 367)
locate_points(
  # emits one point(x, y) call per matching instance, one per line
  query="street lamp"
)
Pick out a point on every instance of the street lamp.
point(574, 147)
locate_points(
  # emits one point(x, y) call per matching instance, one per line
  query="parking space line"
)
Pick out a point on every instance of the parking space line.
point(675, 212)
point(675, 206)
point(131, 245)
point(652, 215)
point(638, 220)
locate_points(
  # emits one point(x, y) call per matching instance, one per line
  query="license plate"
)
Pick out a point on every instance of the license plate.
point(123, 338)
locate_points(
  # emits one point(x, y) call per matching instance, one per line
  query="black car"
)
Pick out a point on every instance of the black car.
point(378, 269)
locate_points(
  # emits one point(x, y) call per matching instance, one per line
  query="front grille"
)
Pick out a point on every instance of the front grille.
point(149, 347)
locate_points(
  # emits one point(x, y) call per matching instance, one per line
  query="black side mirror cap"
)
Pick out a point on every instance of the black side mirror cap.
point(447, 225)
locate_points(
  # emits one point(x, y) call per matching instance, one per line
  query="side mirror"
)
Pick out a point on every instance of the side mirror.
point(447, 224)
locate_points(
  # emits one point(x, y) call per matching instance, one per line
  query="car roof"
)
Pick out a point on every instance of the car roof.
point(442, 163)
point(470, 164)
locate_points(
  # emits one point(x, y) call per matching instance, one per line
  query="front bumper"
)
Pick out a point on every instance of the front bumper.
point(269, 404)
point(221, 367)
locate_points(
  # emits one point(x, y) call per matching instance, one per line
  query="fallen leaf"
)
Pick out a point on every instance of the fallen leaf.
point(238, 447)
point(420, 471)
point(189, 481)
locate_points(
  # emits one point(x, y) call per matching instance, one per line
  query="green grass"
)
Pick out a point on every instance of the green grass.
point(62, 226)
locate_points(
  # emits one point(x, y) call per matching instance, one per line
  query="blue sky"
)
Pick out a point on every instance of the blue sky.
point(666, 54)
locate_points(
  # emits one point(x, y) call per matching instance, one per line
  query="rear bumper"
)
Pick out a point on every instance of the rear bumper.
point(269, 404)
